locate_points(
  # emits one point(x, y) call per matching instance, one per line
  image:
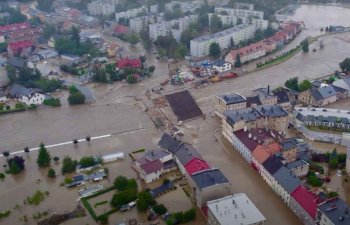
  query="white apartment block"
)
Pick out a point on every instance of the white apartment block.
point(234, 209)
point(102, 7)
point(227, 20)
point(175, 27)
point(200, 46)
point(190, 6)
point(241, 13)
point(138, 23)
point(131, 13)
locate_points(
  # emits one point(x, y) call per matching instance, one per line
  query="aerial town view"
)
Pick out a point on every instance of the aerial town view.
point(164, 112)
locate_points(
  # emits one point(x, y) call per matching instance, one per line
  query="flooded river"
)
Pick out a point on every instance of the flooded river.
point(117, 112)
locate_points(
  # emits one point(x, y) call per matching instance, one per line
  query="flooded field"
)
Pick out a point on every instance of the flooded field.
point(117, 112)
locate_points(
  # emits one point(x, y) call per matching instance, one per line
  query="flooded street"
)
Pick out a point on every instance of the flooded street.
point(117, 112)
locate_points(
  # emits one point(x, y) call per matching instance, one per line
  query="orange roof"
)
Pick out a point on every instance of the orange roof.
point(262, 152)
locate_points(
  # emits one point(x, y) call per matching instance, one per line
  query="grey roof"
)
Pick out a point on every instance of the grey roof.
point(314, 93)
point(232, 98)
point(186, 153)
point(339, 89)
point(264, 93)
point(288, 144)
point(282, 96)
point(336, 210)
point(286, 179)
point(248, 114)
point(327, 91)
point(169, 143)
point(16, 62)
point(295, 164)
point(156, 154)
point(2, 94)
point(272, 164)
point(210, 177)
point(271, 110)
point(253, 100)
point(17, 90)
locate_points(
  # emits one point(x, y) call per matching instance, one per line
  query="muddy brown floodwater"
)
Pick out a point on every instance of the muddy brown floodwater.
point(117, 112)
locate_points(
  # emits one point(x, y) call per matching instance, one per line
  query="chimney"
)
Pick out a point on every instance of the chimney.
point(250, 135)
point(254, 138)
point(268, 89)
point(245, 128)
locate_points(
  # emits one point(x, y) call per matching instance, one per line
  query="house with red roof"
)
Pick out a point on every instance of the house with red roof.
point(129, 63)
point(154, 164)
point(7, 29)
point(151, 171)
point(247, 53)
point(20, 48)
point(121, 29)
point(196, 165)
point(262, 152)
point(304, 204)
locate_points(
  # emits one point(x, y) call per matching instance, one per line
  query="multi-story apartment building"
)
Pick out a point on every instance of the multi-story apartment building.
point(234, 209)
point(131, 13)
point(138, 23)
point(200, 46)
point(227, 20)
point(241, 13)
point(102, 7)
point(185, 6)
point(175, 27)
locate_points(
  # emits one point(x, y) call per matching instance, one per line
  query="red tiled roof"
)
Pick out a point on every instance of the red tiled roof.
point(152, 167)
point(14, 27)
point(279, 36)
point(252, 48)
point(120, 29)
point(260, 135)
point(125, 62)
point(15, 46)
point(196, 165)
point(308, 200)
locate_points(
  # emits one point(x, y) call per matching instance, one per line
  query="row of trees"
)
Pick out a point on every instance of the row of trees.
point(294, 84)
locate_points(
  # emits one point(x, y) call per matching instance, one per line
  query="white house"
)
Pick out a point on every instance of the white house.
point(151, 171)
point(222, 66)
point(27, 95)
point(285, 183)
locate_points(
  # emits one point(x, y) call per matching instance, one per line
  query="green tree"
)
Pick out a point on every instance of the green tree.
point(203, 21)
point(11, 73)
point(151, 69)
point(87, 161)
point(131, 79)
point(292, 84)
point(43, 157)
point(3, 47)
point(120, 183)
point(133, 38)
point(100, 75)
point(189, 215)
point(345, 65)
point(68, 165)
point(76, 98)
point(305, 45)
point(214, 50)
point(14, 168)
point(334, 160)
point(215, 24)
point(49, 31)
point(180, 52)
point(160, 209)
point(305, 85)
point(51, 173)
point(144, 200)
point(2, 176)
point(103, 219)
point(237, 61)
point(75, 35)
point(123, 197)
point(232, 43)
point(239, 21)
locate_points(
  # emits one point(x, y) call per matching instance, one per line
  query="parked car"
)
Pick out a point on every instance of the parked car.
point(124, 208)
point(152, 216)
point(166, 216)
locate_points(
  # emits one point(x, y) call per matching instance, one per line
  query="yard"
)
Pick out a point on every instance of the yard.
point(175, 200)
